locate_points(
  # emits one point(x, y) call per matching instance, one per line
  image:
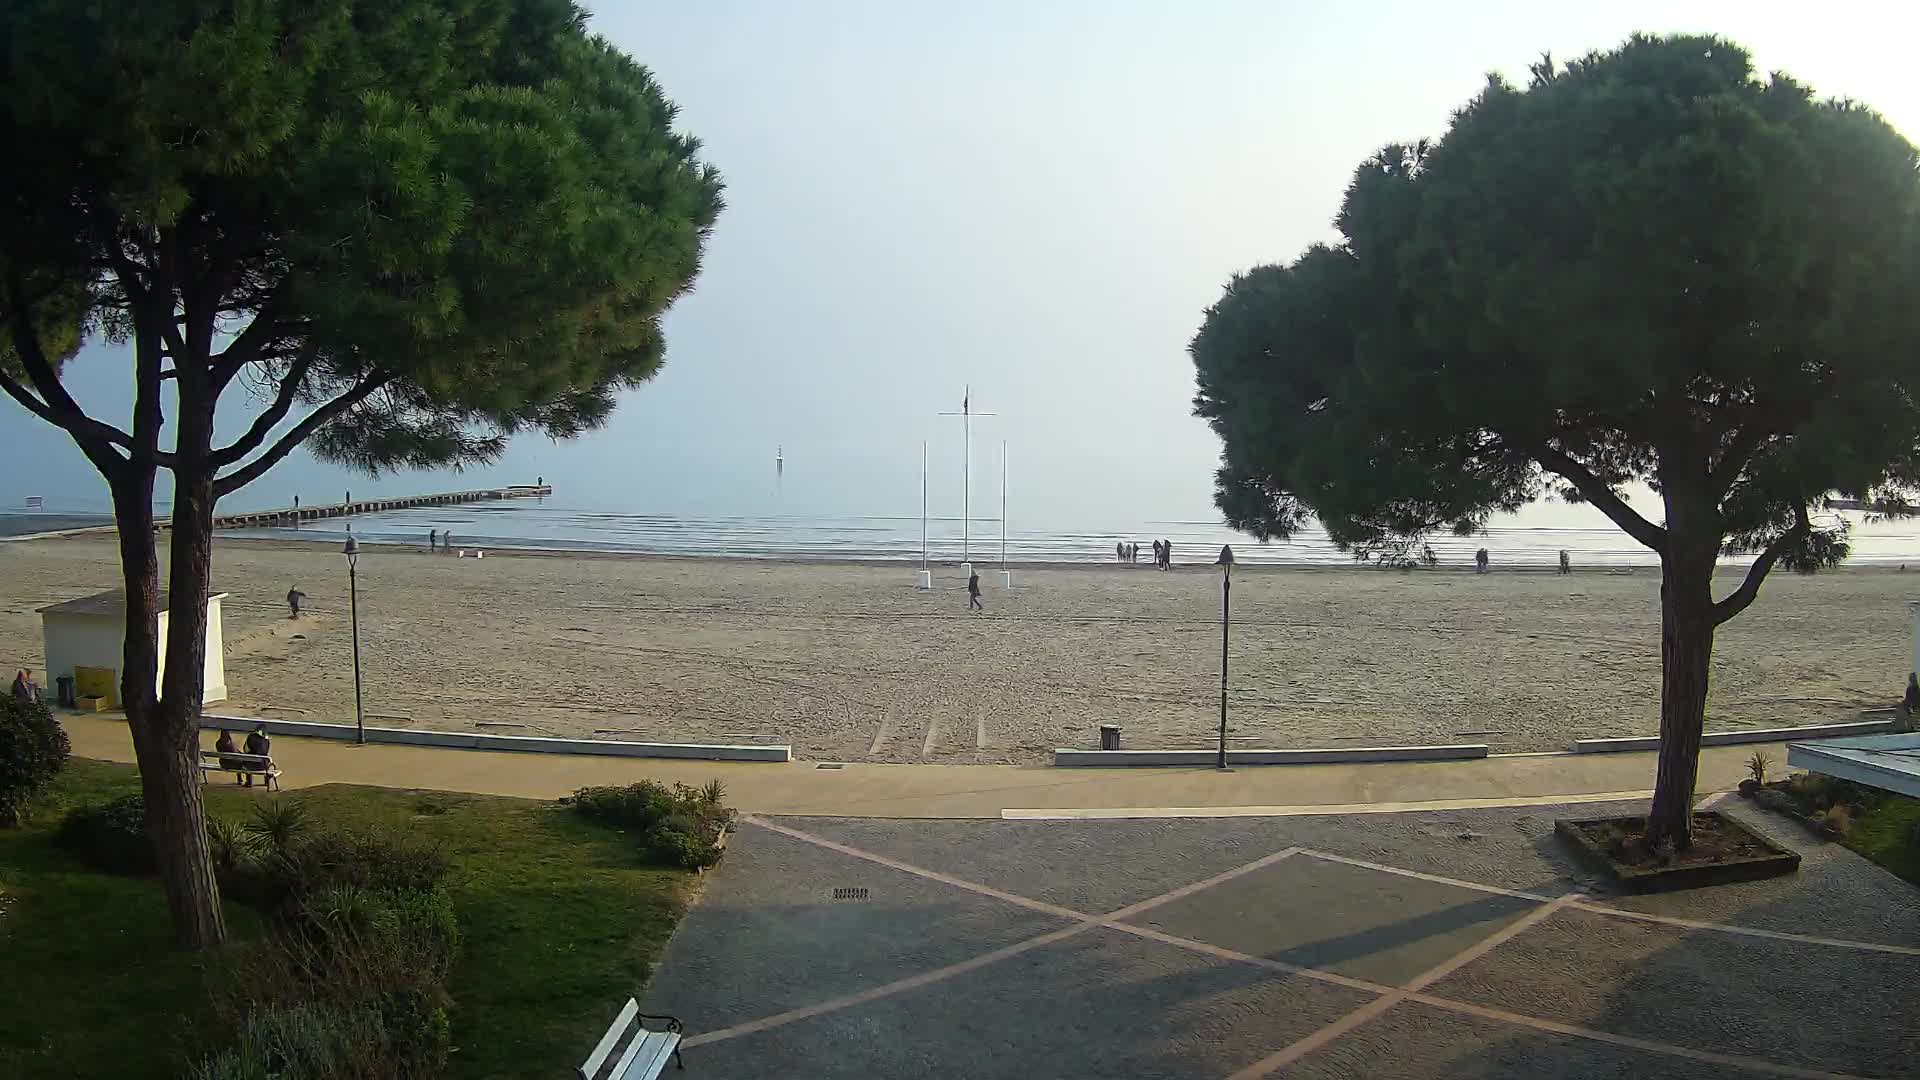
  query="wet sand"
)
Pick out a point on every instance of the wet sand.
point(849, 662)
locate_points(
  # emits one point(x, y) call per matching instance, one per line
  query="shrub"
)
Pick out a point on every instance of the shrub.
point(33, 750)
point(277, 823)
point(678, 826)
point(1836, 819)
point(110, 836)
point(419, 1034)
point(1814, 790)
point(368, 858)
point(309, 1041)
point(1759, 765)
point(231, 846)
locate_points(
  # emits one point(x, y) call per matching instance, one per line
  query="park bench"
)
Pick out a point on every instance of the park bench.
point(261, 765)
point(642, 1052)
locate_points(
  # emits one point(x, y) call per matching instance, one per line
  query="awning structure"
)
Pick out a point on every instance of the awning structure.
point(1888, 762)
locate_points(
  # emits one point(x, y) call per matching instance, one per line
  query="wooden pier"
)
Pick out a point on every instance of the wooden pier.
point(271, 519)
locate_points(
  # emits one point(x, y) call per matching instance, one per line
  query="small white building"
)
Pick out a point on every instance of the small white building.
point(91, 632)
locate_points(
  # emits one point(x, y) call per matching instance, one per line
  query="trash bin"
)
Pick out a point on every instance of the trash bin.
point(64, 692)
point(1109, 736)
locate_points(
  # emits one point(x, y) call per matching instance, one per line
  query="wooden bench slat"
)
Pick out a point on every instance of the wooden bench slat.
point(654, 1048)
point(610, 1040)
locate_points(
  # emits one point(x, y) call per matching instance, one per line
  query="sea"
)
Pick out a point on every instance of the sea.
point(555, 523)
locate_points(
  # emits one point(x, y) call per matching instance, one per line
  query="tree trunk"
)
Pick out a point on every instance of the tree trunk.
point(165, 743)
point(1686, 654)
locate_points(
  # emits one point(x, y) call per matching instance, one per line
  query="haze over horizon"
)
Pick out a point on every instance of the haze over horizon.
point(1037, 204)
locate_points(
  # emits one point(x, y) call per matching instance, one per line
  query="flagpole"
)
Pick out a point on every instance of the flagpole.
point(923, 504)
point(966, 483)
point(1003, 504)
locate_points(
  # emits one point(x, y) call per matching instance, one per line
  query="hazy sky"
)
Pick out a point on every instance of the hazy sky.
point(1034, 199)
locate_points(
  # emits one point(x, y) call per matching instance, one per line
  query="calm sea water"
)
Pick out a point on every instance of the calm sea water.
point(553, 524)
point(556, 524)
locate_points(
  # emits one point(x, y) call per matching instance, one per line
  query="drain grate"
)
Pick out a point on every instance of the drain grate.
point(831, 765)
point(853, 893)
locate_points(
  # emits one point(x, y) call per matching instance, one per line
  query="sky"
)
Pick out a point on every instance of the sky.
point(1033, 201)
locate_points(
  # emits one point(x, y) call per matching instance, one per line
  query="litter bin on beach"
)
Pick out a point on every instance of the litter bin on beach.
point(1109, 736)
point(64, 691)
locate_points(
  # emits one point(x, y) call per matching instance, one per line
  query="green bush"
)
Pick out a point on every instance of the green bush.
point(419, 1034)
point(277, 824)
point(110, 836)
point(368, 859)
point(676, 826)
point(308, 1041)
point(33, 750)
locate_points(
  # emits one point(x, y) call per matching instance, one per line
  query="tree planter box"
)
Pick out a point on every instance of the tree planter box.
point(1757, 858)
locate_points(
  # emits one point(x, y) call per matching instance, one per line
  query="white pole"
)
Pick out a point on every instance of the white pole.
point(1003, 504)
point(923, 504)
point(966, 494)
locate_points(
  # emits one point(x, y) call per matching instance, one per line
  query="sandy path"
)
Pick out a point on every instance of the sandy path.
point(850, 663)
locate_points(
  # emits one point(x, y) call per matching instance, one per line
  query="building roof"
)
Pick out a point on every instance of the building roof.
point(109, 604)
point(1888, 762)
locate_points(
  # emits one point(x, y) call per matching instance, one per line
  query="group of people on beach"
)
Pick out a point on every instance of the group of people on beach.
point(1128, 552)
point(439, 541)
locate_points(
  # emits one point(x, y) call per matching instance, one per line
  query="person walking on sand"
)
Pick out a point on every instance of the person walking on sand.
point(1566, 564)
point(1119, 551)
point(294, 596)
point(1166, 555)
point(1480, 561)
point(433, 539)
point(973, 593)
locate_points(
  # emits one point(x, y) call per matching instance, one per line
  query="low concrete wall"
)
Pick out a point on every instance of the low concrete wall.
point(1110, 758)
point(1730, 738)
point(463, 740)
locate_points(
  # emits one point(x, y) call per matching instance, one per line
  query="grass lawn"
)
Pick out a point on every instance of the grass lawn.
point(1886, 836)
point(559, 924)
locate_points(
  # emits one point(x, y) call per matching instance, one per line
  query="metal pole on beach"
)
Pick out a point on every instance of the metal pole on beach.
point(1003, 504)
point(923, 504)
point(1225, 562)
point(352, 552)
point(966, 415)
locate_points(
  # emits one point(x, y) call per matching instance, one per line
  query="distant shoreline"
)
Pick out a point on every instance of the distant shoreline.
point(982, 565)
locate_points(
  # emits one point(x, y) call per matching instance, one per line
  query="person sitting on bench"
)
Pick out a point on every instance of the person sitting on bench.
point(258, 743)
point(225, 748)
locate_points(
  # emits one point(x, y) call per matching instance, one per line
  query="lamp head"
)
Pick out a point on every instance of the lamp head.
point(351, 550)
point(1226, 556)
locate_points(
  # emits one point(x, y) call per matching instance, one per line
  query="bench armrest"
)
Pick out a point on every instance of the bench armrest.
point(672, 1023)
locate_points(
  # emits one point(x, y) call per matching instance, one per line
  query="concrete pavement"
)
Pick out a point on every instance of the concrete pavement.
point(983, 791)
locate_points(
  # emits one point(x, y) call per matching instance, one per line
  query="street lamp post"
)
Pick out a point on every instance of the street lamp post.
point(352, 552)
point(1225, 563)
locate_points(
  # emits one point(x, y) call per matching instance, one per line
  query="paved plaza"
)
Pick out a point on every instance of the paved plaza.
point(1448, 944)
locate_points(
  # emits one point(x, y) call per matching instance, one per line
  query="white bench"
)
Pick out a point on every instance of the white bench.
point(643, 1052)
point(213, 761)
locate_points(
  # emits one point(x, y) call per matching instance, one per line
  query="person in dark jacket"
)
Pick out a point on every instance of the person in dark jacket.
point(973, 594)
point(258, 743)
point(226, 749)
point(24, 689)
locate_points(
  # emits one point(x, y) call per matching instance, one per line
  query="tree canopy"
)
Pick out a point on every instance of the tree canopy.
point(1647, 266)
point(417, 226)
point(407, 228)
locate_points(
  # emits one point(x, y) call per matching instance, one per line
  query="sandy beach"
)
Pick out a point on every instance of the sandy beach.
point(850, 663)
